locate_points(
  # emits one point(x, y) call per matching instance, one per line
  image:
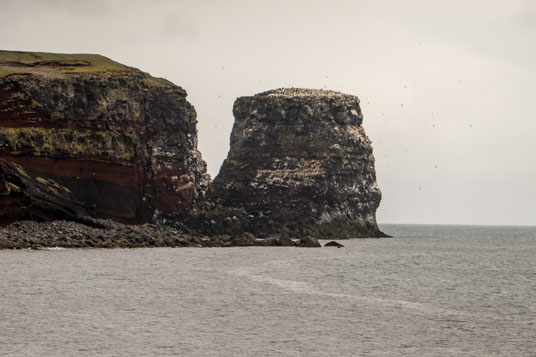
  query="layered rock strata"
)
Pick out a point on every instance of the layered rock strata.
point(300, 164)
point(81, 135)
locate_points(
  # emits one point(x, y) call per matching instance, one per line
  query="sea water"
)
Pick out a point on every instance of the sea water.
point(430, 291)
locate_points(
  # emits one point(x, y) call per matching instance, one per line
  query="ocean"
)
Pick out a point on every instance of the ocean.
point(430, 291)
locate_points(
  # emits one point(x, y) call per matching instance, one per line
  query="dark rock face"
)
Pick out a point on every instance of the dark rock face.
point(301, 164)
point(81, 135)
point(244, 240)
point(309, 242)
point(334, 244)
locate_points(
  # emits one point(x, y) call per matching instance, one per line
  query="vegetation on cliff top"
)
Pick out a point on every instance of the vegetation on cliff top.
point(63, 62)
point(43, 63)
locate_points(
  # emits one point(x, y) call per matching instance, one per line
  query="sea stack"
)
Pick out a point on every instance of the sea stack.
point(84, 136)
point(300, 164)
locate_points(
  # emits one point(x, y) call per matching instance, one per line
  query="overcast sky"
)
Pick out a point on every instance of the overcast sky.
point(447, 88)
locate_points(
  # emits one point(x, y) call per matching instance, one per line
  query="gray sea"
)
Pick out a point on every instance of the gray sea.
point(431, 291)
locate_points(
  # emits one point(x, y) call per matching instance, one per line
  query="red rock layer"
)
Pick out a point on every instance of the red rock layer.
point(111, 143)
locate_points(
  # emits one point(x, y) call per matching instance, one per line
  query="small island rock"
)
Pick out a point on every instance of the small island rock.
point(334, 244)
point(300, 163)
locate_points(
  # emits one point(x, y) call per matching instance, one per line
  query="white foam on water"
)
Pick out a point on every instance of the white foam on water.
point(301, 287)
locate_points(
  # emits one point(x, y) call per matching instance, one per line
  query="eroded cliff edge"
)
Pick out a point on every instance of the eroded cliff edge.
point(300, 164)
point(84, 136)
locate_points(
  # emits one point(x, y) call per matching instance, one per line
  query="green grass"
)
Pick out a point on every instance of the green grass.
point(18, 62)
point(156, 81)
point(61, 59)
point(46, 142)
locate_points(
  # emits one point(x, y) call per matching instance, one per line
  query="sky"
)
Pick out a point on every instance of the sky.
point(447, 88)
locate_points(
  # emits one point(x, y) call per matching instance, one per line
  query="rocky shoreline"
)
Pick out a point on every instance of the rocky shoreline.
point(100, 233)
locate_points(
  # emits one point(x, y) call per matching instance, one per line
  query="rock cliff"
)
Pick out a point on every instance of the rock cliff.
point(301, 164)
point(81, 135)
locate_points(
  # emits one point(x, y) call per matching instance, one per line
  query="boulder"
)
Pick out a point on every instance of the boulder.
point(285, 241)
point(244, 240)
point(270, 242)
point(309, 242)
point(333, 244)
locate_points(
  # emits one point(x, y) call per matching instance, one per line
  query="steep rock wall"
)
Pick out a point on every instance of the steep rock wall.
point(81, 135)
point(300, 163)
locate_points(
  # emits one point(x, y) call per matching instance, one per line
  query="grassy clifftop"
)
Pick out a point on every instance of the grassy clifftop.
point(23, 61)
point(59, 64)
point(61, 59)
